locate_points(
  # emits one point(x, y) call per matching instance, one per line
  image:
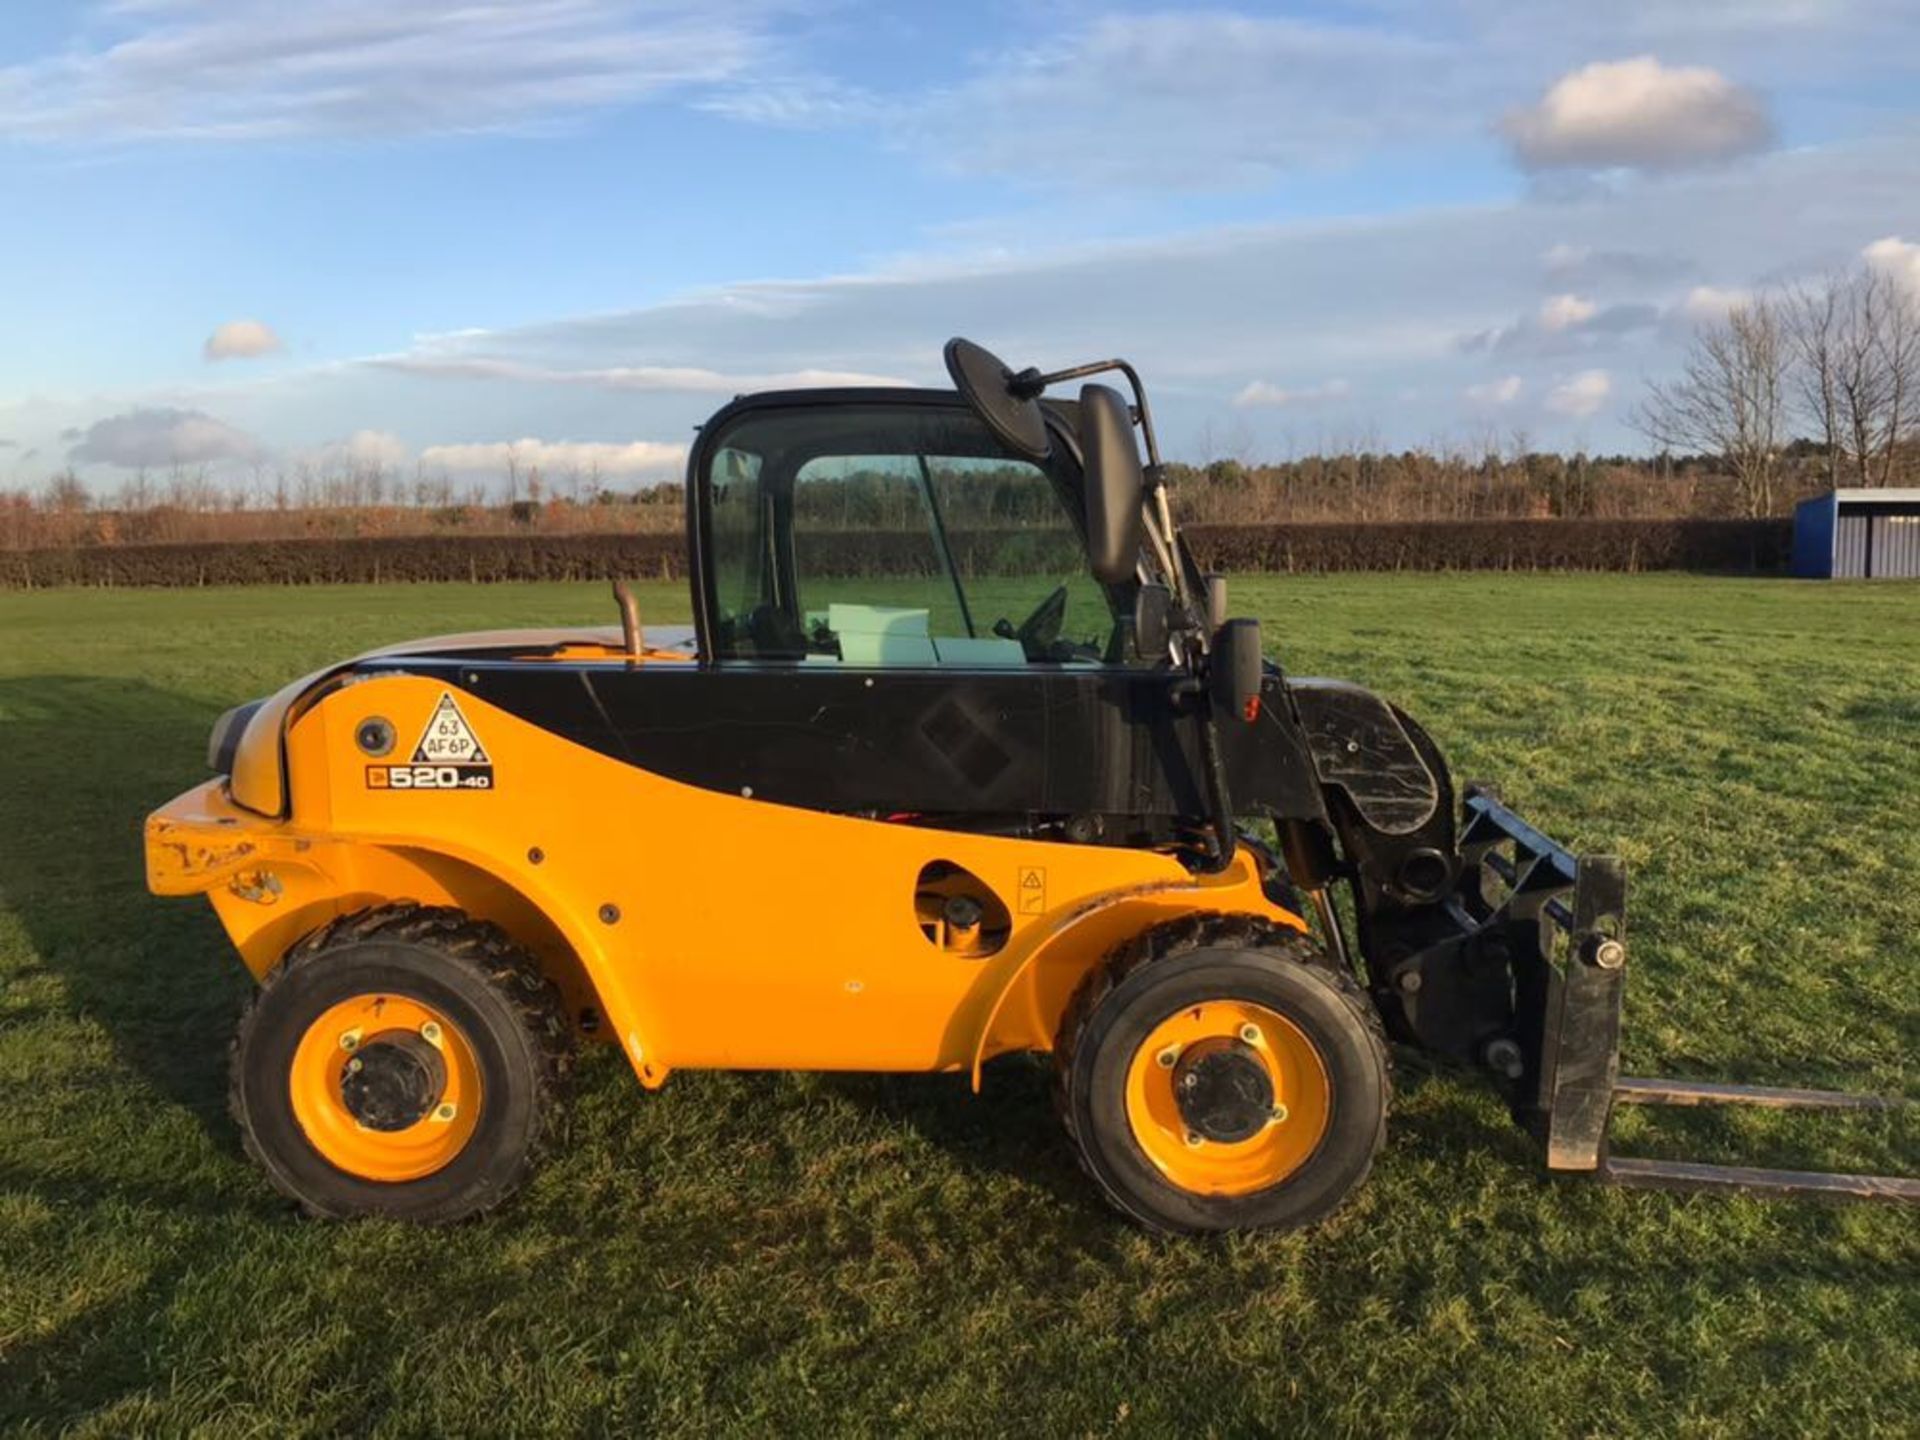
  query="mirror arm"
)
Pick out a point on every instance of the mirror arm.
point(1165, 534)
point(1163, 551)
point(1030, 383)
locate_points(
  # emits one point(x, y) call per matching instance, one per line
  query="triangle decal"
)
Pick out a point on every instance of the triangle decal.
point(448, 738)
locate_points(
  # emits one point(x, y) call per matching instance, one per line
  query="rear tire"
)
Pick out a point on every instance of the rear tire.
point(1276, 1027)
point(464, 1036)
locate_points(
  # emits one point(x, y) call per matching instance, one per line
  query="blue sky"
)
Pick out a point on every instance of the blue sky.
point(253, 236)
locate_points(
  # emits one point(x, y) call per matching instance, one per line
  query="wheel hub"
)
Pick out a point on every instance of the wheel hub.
point(393, 1081)
point(1223, 1090)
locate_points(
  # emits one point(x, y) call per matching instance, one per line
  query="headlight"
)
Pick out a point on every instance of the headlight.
point(225, 739)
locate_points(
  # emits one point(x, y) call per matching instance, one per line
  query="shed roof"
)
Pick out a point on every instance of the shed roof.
point(1908, 496)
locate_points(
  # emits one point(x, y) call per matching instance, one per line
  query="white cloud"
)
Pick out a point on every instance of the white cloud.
point(437, 361)
point(241, 340)
point(1558, 312)
point(364, 450)
point(1503, 391)
point(1707, 303)
point(1190, 100)
point(1261, 394)
point(1580, 395)
point(558, 457)
point(1638, 114)
point(807, 102)
point(1898, 258)
point(266, 69)
point(152, 439)
point(1563, 323)
point(1569, 264)
point(375, 447)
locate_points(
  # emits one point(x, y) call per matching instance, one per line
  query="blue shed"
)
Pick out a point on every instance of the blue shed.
point(1858, 535)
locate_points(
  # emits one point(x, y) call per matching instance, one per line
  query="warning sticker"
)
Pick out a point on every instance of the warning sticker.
point(448, 757)
point(1033, 890)
point(448, 739)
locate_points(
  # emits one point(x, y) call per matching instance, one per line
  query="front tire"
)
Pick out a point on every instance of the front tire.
point(400, 1061)
point(1217, 1075)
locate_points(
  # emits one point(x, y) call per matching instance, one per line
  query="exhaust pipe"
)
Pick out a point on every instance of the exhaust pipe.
point(629, 616)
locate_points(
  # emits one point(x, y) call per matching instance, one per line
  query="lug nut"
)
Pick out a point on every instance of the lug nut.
point(1609, 954)
point(1278, 1115)
point(350, 1039)
point(1250, 1034)
point(1503, 1057)
point(1193, 1140)
point(430, 1032)
point(445, 1112)
point(1168, 1057)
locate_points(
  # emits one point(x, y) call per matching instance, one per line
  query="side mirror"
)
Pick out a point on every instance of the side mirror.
point(1237, 669)
point(1152, 621)
point(987, 383)
point(1115, 484)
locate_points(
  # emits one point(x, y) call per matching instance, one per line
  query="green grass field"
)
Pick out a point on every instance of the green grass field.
point(797, 1254)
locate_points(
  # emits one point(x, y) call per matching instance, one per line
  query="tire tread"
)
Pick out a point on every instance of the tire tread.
point(481, 947)
point(1176, 937)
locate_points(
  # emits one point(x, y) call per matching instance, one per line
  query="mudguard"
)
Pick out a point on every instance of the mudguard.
point(1359, 745)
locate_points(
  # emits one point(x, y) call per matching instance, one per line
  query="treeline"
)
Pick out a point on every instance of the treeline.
point(1503, 483)
point(1732, 546)
point(65, 515)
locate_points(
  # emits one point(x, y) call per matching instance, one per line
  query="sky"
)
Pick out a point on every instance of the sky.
point(250, 237)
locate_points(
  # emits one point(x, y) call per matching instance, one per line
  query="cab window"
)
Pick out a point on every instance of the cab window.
point(894, 535)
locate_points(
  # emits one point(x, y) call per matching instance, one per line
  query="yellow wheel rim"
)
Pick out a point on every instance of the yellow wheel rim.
point(385, 1087)
point(1258, 1051)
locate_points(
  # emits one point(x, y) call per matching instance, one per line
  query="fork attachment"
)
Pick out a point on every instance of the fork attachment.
point(1563, 922)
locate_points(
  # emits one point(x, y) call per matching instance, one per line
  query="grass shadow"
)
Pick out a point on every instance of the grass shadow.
point(1895, 712)
point(1009, 1128)
point(82, 761)
point(99, 1358)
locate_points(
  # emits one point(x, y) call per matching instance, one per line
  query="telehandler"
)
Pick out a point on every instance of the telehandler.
point(962, 756)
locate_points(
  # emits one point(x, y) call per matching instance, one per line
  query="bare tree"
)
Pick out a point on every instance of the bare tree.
point(67, 493)
point(1814, 322)
point(1856, 380)
point(512, 463)
point(1727, 400)
point(1878, 378)
point(137, 493)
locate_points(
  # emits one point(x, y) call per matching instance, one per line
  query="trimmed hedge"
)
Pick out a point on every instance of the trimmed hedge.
point(1746, 547)
point(481, 558)
point(1726, 546)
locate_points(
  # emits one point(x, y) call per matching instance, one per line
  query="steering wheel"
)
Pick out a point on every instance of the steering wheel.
point(1039, 633)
